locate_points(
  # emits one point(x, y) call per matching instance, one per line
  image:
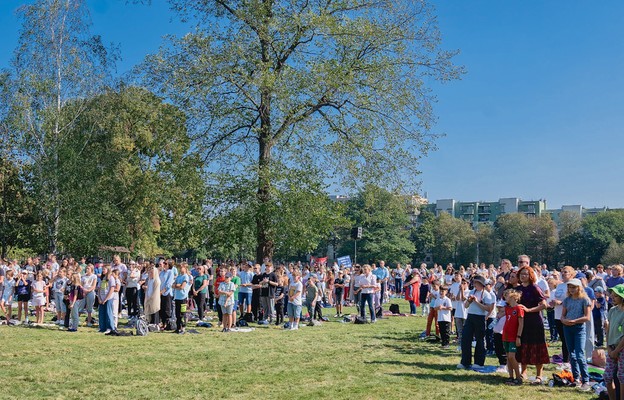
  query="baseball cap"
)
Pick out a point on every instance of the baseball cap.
point(574, 282)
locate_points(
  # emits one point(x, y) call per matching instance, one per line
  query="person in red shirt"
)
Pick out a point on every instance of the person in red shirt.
point(220, 278)
point(514, 324)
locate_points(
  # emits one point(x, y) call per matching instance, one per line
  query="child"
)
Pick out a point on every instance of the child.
point(312, 293)
point(226, 301)
point(294, 301)
point(38, 297)
point(6, 303)
point(598, 313)
point(339, 285)
point(433, 316)
point(58, 289)
point(576, 311)
point(615, 343)
point(444, 307)
point(76, 297)
point(423, 294)
point(514, 324)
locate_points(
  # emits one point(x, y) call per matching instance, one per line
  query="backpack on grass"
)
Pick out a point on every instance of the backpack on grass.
point(142, 328)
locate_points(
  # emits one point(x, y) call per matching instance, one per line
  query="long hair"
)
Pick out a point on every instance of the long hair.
point(579, 293)
point(532, 277)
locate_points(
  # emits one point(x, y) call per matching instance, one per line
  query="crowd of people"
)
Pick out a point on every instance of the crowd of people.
point(497, 310)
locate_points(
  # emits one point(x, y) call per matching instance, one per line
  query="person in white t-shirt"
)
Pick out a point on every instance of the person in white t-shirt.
point(89, 284)
point(294, 301)
point(444, 307)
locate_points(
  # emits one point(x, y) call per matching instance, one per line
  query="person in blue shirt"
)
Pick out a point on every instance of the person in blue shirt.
point(166, 282)
point(181, 287)
point(245, 290)
point(381, 273)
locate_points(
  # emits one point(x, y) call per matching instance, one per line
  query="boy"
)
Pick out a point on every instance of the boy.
point(444, 307)
point(514, 324)
point(226, 301)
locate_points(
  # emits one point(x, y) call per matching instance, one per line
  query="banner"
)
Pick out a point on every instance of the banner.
point(344, 262)
point(318, 260)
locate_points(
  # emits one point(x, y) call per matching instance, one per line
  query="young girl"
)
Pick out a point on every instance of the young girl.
point(615, 343)
point(294, 301)
point(576, 311)
point(6, 303)
point(58, 289)
point(22, 289)
point(76, 301)
point(38, 297)
point(226, 301)
point(512, 331)
point(433, 314)
point(423, 295)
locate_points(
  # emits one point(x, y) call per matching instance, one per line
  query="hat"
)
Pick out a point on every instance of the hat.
point(580, 275)
point(575, 282)
point(501, 303)
point(479, 279)
point(599, 289)
point(228, 275)
point(618, 289)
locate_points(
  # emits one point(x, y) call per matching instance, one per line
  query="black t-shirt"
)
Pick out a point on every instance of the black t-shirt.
point(268, 289)
point(337, 289)
point(278, 292)
point(1, 283)
point(256, 281)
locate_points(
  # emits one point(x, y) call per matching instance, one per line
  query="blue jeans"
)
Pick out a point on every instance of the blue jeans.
point(111, 312)
point(367, 298)
point(552, 325)
point(398, 287)
point(473, 327)
point(412, 307)
point(575, 340)
point(103, 320)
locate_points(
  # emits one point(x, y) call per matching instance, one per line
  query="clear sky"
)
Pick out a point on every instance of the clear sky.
point(539, 115)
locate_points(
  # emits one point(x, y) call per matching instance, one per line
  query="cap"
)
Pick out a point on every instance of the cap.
point(599, 289)
point(228, 275)
point(479, 279)
point(574, 282)
point(580, 275)
point(618, 289)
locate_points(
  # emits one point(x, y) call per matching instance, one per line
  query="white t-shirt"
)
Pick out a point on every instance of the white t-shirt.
point(88, 281)
point(485, 298)
point(434, 294)
point(292, 289)
point(561, 292)
point(444, 315)
point(542, 284)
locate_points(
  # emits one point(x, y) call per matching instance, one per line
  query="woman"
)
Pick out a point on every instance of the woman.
point(89, 285)
point(412, 291)
point(38, 297)
point(181, 287)
point(132, 290)
point(533, 350)
point(76, 301)
point(152, 295)
point(106, 291)
point(200, 290)
point(329, 284)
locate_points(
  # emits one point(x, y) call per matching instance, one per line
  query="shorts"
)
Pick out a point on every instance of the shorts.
point(227, 309)
point(510, 347)
point(23, 298)
point(294, 311)
point(244, 298)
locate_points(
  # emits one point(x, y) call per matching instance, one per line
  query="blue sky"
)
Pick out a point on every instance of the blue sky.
point(538, 115)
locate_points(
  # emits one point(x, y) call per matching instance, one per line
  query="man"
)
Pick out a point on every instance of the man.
point(166, 292)
point(367, 283)
point(245, 292)
point(255, 293)
point(117, 265)
point(381, 274)
point(267, 291)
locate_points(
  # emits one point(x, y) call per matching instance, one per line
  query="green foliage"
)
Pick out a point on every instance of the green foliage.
point(455, 240)
point(542, 242)
point(489, 247)
point(513, 232)
point(422, 235)
point(614, 254)
point(340, 87)
point(386, 226)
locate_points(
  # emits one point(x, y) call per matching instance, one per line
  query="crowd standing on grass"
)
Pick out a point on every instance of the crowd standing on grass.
point(502, 311)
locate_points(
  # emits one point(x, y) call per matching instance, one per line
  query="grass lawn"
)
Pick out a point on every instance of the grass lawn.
point(334, 361)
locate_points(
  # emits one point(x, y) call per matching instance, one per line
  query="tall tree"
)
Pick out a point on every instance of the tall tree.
point(57, 61)
point(542, 242)
point(455, 240)
point(341, 85)
point(513, 232)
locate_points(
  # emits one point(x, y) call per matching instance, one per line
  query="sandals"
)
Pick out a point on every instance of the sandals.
point(538, 381)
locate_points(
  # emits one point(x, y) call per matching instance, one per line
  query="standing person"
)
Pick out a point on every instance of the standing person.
point(180, 297)
point(152, 295)
point(615, 342)
point(459, 299)
point(200, 291)
point(367, 285)
point(267, 293)
point(256, 289)
point(576, 312)
point(23, 289)
point(166, 292)
point(132, 290)
point(398, 280)
point(423, 295)
point(432, 318)
point(512, 334)
point(412, 291)
point(106, 291)
point(226, 301)
point(479, 305)
point(550, 310)
point(294, 300)
point(76, 302)
point(533, 350)
point(236, 281)
point(58, 289)
point(245, 291)
point(220, 278)
point(444, 307)
point(339, 285)
point(381, 274)
point(312, 294)
point(280, 295)
point(599, 313)
point(6, 303)
point(89, 285)
point(38, 297)
point(121, 277)
point(561, 292)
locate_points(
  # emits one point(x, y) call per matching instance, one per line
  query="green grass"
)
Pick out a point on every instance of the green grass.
point(335, 361)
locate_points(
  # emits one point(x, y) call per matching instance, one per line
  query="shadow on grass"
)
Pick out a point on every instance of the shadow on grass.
point(480, 378)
